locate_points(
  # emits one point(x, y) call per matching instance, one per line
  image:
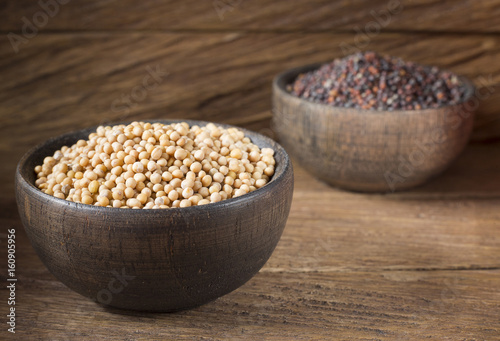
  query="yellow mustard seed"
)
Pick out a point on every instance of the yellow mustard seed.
point(87, 199)
point(94, 186)
point(185, 203)
point(153, 166)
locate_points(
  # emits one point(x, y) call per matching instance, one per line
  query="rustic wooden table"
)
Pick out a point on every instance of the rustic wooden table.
point(404, 266)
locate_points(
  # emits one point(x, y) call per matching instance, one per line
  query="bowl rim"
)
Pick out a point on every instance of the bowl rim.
point(282, 79)
point(281, 171)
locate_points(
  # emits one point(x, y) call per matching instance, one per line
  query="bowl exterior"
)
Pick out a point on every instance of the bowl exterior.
point(368, 151)
point(154, 260)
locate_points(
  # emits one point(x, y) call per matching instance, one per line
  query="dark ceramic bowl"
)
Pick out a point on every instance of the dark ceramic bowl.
point(154, 260)
point(368, 150)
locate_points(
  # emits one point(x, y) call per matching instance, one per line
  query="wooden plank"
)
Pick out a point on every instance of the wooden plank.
point(277, 303)
point(365, 306)
point(450, 223)
point(62, 82)
point(404, 266)
point(304, 15)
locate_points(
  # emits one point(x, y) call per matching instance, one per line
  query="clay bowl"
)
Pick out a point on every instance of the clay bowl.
point(368, 151)
point(154, 260)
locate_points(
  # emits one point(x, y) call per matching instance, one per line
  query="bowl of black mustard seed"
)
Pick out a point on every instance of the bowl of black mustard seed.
point(372, 123)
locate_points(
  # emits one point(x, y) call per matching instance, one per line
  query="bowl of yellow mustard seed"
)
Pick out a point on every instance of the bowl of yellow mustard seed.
point(155, 216)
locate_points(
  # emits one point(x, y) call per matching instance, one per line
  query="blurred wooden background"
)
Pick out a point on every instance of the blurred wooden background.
point(412, 265)
point(81, 63)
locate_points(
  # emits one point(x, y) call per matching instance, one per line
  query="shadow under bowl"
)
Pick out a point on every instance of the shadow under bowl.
point(154, 260)
point(369, 150)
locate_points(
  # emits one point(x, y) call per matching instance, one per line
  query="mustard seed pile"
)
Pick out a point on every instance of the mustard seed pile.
point(367, 80)
point(151, 166)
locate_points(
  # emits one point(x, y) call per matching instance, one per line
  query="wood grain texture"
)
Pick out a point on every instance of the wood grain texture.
point(304, 15)
point(154, 260)
point(422, 264)
point(411, 265)
point(63, 82)
point(388, 305)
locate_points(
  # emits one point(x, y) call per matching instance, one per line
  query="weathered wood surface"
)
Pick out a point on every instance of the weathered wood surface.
point(302, 15)
point(405, 266)
point(62, 82)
